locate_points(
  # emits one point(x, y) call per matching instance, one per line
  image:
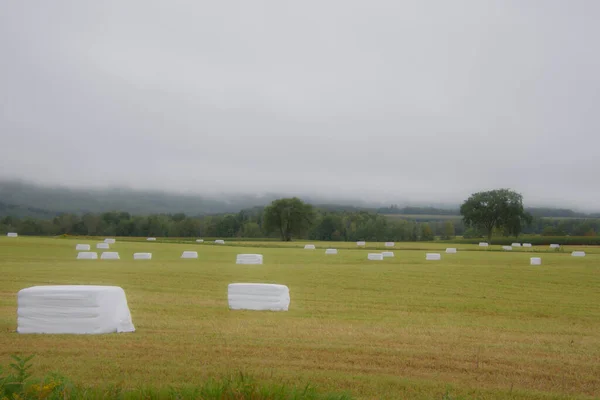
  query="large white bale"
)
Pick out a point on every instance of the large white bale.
point(535, 261)
point(142, 256)
point(189, 254)
point(109, 241)
point(526, 244)
point(433, 256)
point(389, 244)
point(331, 251)
point(506, 248)
point(361, 243)
point(483, 244)
point(77, 309)
point(219, 241)
point(451, 250)
point(555, 246)
point(387, 254)
point(199, 240)
point(258, 297)
point(578, 254)
point(104, 246)
point(151, 239)
point(249, 259)
point(87, 255)
point(110, 255)
point(516, 245)
point(309, 247)
point(12, 234)
point(82, 247)
point(375, 256)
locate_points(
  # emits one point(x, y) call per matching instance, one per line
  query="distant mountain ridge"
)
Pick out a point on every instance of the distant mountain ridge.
point(20, 199)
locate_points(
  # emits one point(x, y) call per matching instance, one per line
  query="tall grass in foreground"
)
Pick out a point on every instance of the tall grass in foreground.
point(18, 384)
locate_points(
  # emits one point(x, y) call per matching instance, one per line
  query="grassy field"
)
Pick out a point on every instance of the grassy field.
point(477, 324)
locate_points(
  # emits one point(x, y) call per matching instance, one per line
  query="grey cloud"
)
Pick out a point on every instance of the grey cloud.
point(420, 100)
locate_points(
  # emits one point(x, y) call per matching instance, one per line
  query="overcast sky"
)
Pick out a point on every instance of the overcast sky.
point(415, 100)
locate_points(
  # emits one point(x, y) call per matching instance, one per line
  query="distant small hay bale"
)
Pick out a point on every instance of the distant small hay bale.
point(110, 255)
point(527, 245)
point(578, 254)
point(151, 239)
point(219, 241)
point(483, 244)
point(387, 254)
point(199, 240)
point(535, 261)
point(451, 250)
point(331, 251)
point(258, 297)
point(555, 246)
point(507, 248)
point(433, 256)
point(389, 244)
point(516, 245)
point(109, 241)
point(375, 256)
point(12, 234)
point(142, 256)
point(82, 247)
point(189, 254)
point(361, 243)
point(103, 246)
point(87, 255)
point(309, 247)
point(249, 259)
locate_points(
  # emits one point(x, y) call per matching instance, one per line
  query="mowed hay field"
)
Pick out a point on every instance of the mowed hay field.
point(477, 324)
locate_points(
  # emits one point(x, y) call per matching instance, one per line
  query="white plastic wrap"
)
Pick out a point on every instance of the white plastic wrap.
point(309, 247)
point(578, 254)
point(375, 256)
point(535, 261)
point(142, 256)
point(103, 246)
point(451, 250)
point(12, 234)
point(331, 251)
point(151, 239)
point(555, 246)
point(73, 310)
point(361, 243)
point(87, 255)
point(110, 255)
point(507, 248)
point(433, 256)
point(109, 241)
point(258, 297)
point(483, 244)
point(189, 254)
point(516, 245)
point(82, 247)
point(389, 244)
point(249, 259)
point(526, 244)
point(199, 240)
point(219, 241)
point(387, 254)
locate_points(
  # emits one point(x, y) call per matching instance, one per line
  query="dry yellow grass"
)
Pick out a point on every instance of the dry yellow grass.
point(477, 323)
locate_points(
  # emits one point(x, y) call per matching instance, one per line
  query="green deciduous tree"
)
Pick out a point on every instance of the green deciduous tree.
point(289, 217)
point(501, 208)
point(449, 231)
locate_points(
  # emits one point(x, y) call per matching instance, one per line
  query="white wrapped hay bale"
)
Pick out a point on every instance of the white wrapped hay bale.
point(516, 245)
point(151, 239)
point(199, 240)
point(12, 234)
point(331, 251)
point(451, 250)
point(142, 256)
point(527, 245)
point(189, 254)
point(249, 259)
point(82, 247)
point(109, 241)
point(387, 254)
point(309, 247)
point(555, 246)
point(103, 246)
point(73, 310)
point(110, 255)
point(535, 261)
point(433, 256)
point(219, 241)
point(375, 256)
point(361, 243)
point(483, 244)
point(506, 248)
point(578, 254)
point(389, 244)
point(258, 297)
point(87, 255)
